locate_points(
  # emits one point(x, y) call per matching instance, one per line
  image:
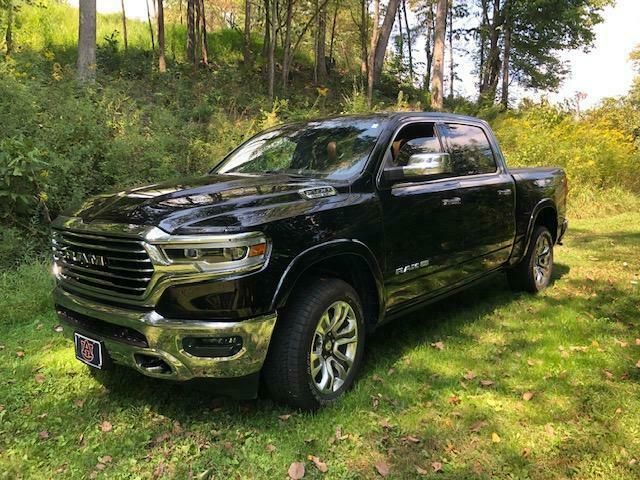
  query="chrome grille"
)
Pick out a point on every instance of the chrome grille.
point(108, 264)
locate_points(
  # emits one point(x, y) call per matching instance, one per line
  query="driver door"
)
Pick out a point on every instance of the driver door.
point(424, 221)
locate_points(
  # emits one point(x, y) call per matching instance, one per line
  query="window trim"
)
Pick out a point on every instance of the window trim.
point(438, 123)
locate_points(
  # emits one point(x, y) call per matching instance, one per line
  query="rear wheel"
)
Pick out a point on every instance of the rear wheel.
point(317, 346)
point(533, 273)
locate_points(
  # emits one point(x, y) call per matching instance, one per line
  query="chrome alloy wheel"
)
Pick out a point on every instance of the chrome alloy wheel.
point(334, 347)
point(543, 260)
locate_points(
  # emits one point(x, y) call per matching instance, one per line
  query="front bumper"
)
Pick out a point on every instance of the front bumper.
point(153, 345)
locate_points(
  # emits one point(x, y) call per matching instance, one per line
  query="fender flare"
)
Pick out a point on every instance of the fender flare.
point(316, 254)
point(539, 207)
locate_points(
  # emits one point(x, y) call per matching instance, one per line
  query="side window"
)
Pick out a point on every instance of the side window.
point(412, 139)
point(470, 150)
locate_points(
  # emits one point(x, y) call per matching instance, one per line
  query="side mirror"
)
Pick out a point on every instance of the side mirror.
point(419, 167)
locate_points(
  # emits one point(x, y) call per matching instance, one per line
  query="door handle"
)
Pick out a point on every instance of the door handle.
point(505, 192)
point(451, 201)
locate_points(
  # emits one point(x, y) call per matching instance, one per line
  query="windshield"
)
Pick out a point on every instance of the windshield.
point(335, 149)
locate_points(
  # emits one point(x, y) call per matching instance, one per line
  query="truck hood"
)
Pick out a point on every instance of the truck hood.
point(210, 203)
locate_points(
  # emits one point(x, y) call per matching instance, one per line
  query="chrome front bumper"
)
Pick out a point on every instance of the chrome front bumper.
point(164, 338)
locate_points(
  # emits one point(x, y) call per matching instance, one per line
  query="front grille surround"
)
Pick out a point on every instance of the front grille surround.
point(114, 265)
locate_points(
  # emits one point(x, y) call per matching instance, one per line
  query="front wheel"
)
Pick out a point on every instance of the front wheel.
point(317, 346)
point(533, 273)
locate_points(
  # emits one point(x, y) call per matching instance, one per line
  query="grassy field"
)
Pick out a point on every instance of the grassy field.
point(489, 384)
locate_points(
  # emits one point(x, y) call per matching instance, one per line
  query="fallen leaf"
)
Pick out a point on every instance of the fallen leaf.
point(618, 411)
point(437, 466)
point(57, 328)
point(384, 423)
point(100, 466)
point(1, 408)
point(608, 374)
point(564, 354)
point(438, 345)
point(477, 426)
point(495, 438)
point(296, 470)
point(40, 378)
point(382, 468)
point(549, 429)
point(270, 448)
point(421, 471)
point(81, 440)
point(106, 426)
point(638, 364)
point(320, 465)
point(469, 375)
point(20, 354)
point(160, 439)
point(391, 371)
point(228, 446)
point(526, 396)
point(285, 417)
point(339, 435)
point(531, 363)
point(43, 435)
point(622, 343)
point(412, 439)
point(526, 452)
point(377, 378)
point(78, 402)
point(105, 459)
point(487, 383)
point(454, 400)
point(638, 341)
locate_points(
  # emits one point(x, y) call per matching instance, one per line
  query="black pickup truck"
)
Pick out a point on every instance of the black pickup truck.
point(275, 265)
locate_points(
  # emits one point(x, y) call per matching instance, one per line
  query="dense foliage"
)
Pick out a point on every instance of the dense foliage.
point(60, 142)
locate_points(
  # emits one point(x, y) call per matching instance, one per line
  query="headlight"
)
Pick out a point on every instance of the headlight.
point(213, 253)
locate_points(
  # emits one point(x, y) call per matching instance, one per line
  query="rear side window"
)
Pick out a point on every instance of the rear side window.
point(470, 150)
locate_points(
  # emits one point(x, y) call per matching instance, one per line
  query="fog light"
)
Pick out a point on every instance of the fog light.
point(212, 346)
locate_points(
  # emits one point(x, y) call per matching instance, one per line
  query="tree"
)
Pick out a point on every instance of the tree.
point(153, 43)
point(124, 26)
point(320, 66)
point(162, 63)
point(437, 80)
point(87, 41)
point(191, 31)
point(379, 46)
point(271, 53)
point(246, 39)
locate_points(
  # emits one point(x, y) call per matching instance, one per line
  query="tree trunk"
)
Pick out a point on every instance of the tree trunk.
point(87, 41)
point(406, 23)
point(438, 56)
point(204, 46)
point(506, 54)
point(381, 46)
point(372, 49)
point(286, 57)
point(191, 31)
point(8, 37)
point(333, 31)
point(266, 41)
point(364, 31)
point(400, 41)
point(490, 78)
point(320, 73)
point(451, 57)
point(429, 47)
point(124, 27)
point(162, 63)
point(271, 61)
point(246, 47)
point(153, 43)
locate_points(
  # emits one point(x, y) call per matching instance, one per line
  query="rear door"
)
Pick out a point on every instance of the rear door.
point(488, 192)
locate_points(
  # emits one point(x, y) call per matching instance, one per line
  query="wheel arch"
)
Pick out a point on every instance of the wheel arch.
point(347, 259)
point(544, 213)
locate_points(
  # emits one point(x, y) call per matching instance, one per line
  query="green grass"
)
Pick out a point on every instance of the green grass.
point(574, 347)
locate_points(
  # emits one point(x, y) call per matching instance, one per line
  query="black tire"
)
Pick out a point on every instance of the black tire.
point(287, 371)
point(529, 275)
